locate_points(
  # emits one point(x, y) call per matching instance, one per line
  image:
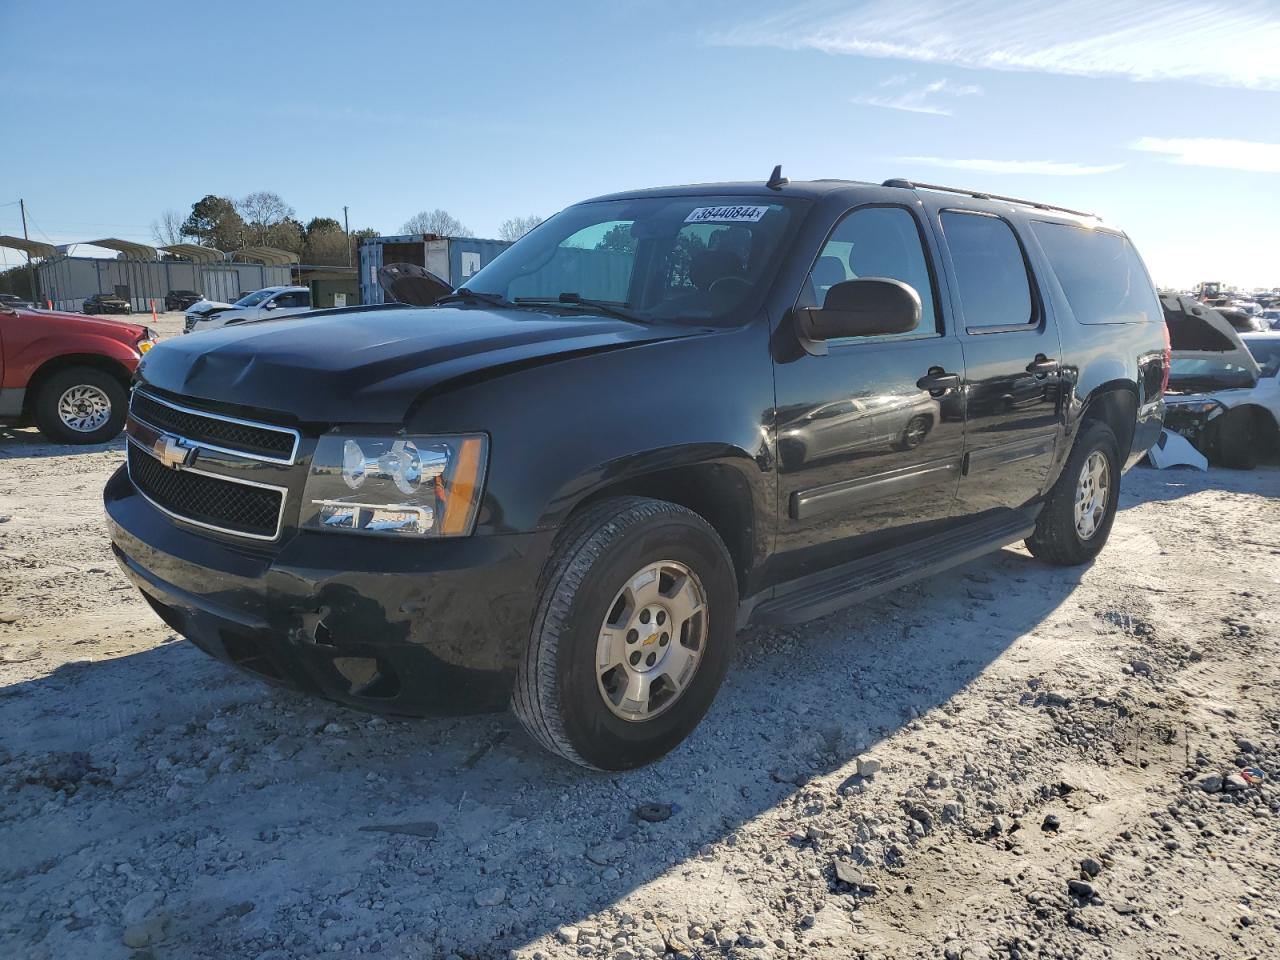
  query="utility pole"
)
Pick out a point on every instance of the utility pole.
point(346, 228)
point(31, 271)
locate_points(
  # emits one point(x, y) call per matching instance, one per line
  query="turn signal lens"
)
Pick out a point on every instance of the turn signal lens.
point(462, 489)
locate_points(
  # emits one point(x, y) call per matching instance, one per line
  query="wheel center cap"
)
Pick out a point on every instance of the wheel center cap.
point(652, 626)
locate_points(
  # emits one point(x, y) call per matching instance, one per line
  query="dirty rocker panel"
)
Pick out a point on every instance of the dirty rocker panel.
point(844, 585)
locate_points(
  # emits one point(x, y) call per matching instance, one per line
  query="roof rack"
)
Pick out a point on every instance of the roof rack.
point(979, 195)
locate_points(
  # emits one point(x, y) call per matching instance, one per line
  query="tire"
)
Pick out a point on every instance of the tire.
point(558, 696)
point(1235, 441)
point(1058, 539)
point(50, 395)
point(915, 432)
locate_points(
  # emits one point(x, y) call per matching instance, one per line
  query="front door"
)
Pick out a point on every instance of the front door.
point(1014, 401)
point(868, 454)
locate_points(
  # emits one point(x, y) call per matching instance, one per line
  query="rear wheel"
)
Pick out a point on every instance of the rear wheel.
point(1235, 442)
point(632, 636)
point(1074, 525)
point(80, 405)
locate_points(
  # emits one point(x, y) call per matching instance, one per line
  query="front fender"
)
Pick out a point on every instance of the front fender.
point(44, 350)
point(627, 473)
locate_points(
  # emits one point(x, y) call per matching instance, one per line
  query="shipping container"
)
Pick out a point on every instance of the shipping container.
point(451, 258)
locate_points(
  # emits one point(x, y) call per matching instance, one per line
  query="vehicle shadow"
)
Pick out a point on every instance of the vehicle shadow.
point(250, 808)
point(19, 442)
point(1144, 484)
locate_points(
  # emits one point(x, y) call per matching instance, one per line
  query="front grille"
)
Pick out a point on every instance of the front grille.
point(207, 500)
point(216, 430)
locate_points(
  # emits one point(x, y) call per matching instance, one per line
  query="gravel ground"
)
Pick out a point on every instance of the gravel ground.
point(1008, 761)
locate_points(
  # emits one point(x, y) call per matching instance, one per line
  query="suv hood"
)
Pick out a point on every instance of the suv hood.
point(348, 366)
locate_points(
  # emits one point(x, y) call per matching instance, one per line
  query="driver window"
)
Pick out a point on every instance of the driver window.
point(875, 242)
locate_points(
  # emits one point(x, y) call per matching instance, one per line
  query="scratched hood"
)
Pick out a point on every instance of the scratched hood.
point(370, 365)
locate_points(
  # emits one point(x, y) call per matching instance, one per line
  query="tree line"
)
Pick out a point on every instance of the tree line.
point(264, 219)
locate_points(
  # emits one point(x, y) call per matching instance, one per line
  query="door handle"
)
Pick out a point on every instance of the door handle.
point(1042, 364)
point(937, 381)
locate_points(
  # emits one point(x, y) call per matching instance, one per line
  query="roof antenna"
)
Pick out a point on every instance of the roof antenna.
point(776, 179)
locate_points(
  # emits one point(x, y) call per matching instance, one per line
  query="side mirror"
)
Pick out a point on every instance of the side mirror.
point(269, 305)
point(867, 307)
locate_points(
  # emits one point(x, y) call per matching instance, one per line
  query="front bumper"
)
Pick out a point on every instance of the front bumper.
point(411, 628)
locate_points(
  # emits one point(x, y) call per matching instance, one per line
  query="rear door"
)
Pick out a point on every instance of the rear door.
point(868, 455)
point(1014, 397)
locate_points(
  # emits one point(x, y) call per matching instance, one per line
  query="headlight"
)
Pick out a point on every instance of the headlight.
point(1210, 407)
point(148, 340)
point(423, 486)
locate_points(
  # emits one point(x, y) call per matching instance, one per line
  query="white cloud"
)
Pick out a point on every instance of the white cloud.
point(1048, 168)
point(1216, 42)
point(1215, 152)
point(921, 100)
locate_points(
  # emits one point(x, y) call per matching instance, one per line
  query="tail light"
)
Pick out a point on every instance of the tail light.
point(1168, 360)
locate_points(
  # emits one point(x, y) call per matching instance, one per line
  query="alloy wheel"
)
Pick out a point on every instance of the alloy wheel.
point(1092, 490)
point(84, 408)
point(651, 641)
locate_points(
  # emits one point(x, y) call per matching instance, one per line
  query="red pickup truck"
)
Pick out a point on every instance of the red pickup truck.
point(66, 373)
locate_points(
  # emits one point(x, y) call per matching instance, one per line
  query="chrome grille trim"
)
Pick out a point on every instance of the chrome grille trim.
point(255, 424)
point(283, 491)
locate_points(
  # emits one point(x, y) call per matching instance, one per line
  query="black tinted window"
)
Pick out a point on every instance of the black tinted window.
point(1100, 273)
point(990, 271)
point(875, 242)
point(299, 299)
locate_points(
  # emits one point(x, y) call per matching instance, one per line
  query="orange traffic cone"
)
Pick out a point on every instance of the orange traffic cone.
point(154, 318)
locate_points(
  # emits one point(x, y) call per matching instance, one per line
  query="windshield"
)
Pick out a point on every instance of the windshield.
point(693, 259)
point(1223, 372)
point(253, 299)
point(1267, 353)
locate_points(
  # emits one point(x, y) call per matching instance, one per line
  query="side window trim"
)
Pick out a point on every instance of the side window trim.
point(1037, 321)
point(939, 321)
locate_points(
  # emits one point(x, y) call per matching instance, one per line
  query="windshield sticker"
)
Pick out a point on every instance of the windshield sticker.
point(726, 215)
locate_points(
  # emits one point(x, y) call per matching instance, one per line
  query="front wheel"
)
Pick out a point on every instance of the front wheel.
point(1235, 442)
point(80, 405)
point(914, 433)
point(1074, 525)
point(632, 636)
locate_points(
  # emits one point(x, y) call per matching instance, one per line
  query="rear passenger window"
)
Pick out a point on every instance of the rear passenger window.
point(1100, 273)
point(875, 242)
point(990, 270)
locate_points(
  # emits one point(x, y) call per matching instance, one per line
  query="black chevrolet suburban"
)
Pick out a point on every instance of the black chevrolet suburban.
point(660, 416)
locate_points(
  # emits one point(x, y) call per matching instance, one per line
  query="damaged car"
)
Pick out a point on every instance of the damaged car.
point(1223, 395)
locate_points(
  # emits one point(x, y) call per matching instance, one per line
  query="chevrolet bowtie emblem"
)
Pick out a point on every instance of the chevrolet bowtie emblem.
point(174, 452)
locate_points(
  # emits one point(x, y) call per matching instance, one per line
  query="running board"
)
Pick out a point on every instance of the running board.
point(822, 593)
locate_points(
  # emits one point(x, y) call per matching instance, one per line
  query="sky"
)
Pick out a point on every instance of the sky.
point(1162, 117)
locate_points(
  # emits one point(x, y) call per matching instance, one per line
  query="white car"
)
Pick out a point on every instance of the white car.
point(1230, 409)
point(259, 305)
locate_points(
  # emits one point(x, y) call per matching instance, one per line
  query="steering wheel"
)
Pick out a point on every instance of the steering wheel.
point(729, 288)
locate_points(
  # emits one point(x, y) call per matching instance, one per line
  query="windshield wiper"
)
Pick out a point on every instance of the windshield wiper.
point(462, 293)
point(578, 300)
